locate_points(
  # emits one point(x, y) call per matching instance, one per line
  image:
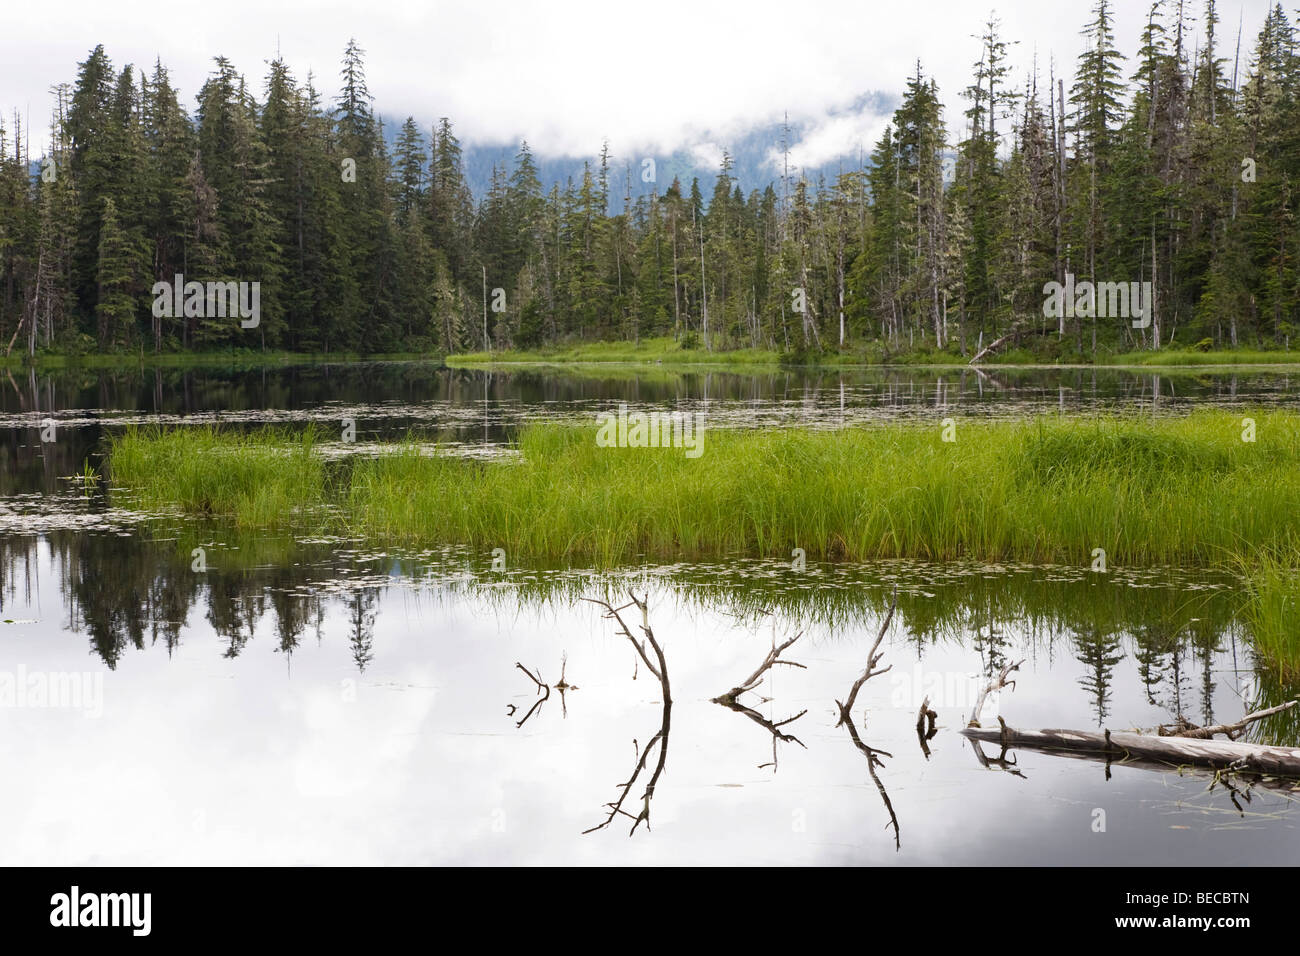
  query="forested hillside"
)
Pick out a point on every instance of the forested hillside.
point(1180, 167)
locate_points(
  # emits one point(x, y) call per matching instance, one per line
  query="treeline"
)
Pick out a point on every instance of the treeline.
point(1179, 168)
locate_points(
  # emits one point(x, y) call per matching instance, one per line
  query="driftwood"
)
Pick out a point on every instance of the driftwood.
point(1232, 731)
point(923, 735)
point(729, 700)
point(659, 668)
point(846, 717)
point(1168, 751)
point(996, 684)
point(561, 685)
point(873, 658)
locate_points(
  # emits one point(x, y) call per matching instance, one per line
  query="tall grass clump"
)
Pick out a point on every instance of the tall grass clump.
point(1147, 491)
point(257, 479)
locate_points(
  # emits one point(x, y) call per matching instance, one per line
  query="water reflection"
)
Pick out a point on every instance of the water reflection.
point(365, 688)
point(1175, 633)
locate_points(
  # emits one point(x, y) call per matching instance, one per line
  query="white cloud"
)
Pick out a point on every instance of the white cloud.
point(647, 77)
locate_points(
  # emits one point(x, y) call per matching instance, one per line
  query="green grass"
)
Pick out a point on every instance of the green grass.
point(1167, 491)
point(667, 352)
point(660, 350)
point(256, 480)
point(1146, 490)
point(1222, 357)
point(238, 358)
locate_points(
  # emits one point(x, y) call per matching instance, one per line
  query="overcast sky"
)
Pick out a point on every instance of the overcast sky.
point(649, 77)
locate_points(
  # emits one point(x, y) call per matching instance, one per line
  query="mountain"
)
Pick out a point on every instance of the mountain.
point(756, 155)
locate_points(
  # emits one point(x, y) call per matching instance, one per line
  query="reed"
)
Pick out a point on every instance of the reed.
point(259, 479)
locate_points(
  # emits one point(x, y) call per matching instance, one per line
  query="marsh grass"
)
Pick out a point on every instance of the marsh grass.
point(657, 350)
point(257, 479)
point(1152, 491)
point(1148, 492)
point(1221, 357)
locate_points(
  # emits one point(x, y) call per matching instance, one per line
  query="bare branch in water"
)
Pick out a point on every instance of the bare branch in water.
point(659, 668)
point(562, 686)
point(873, 658)
point(753, 680)
point(729, 701)
point(1231, 731)
point(996, 684)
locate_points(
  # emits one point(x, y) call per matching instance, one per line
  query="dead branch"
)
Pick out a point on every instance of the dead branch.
point(540, 687)
point(996, 684)
point(643, 605)
point(922, 734)
point(873, 658)
point(661, 738)
point(1231, 731)
point(561, 685)
point(756, 678)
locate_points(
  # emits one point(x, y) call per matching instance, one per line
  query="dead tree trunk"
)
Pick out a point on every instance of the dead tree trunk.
point(1174, 751)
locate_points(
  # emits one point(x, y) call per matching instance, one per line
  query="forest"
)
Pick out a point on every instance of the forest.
point(1178, 167)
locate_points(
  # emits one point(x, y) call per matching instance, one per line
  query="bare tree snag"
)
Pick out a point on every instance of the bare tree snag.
point(924, 735)
point(873, 658)
point(996, 684)
point(729, 700)
point(659, 668)
point(756, 678)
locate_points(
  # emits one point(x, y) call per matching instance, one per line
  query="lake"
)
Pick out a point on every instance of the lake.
point(180, 692)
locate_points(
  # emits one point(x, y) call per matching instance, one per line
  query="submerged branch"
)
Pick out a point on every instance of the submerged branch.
point(873, 658)
point(996, 684)
point(1231, 731)
point(756, 678)
point(659, 668)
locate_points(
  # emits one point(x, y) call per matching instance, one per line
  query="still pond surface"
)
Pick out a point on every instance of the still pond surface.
point(309, 699)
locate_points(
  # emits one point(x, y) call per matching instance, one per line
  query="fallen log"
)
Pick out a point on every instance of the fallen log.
point(1174, 751)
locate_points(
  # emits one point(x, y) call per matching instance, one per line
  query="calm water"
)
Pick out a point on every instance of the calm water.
point(303, 699)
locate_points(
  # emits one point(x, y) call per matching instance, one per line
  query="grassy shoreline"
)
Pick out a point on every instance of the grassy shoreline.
point(662, 352)
point(1053, 488)
point(250, 358)
point(1180, 491)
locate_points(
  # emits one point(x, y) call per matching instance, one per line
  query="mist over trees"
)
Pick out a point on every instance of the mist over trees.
point(1179, 167)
